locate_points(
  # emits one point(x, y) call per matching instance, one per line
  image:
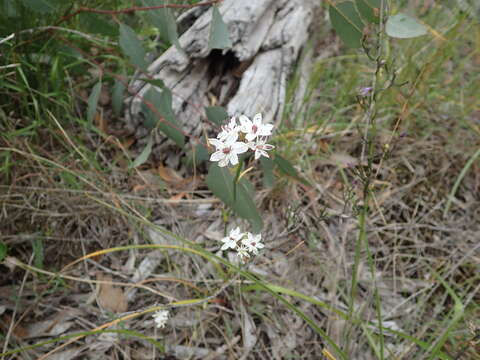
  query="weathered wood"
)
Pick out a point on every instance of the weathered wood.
point(267, 36)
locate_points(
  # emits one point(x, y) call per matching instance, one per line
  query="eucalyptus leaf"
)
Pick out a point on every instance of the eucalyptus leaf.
point(220, 182)
point(143, 157)
point(162, 114)
point(216, 114)
point(132, 47)
point(93, 101)
point(368, 12)
point(347, 23)
point(155, 82)
point(219, 37)
point(39, 6)
point(164, 20)
point(403, 26)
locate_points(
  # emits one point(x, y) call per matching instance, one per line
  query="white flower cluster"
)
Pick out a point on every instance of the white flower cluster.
point(243, 243)
point(161, 318)
point(255, 135)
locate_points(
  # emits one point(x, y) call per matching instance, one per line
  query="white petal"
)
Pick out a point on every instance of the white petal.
point(224, 246)
point(250, 136)
point(251, 145)
point(233, 158)
point(257, 119)
point(215, 142)
point(231, 138)
point(265, 130)
point(245, 121)
point(240, 147)
point(233, 123)
point(235, 232)
point(216, 156)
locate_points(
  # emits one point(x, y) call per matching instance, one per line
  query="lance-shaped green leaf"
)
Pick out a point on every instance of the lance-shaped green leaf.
point(220, 182)
point(143, 155)
point(403, 26)
point(164, 20)
point(117, 96)
point(93, 101)
point(267, 165)
point(347, 23)
point(132, 47)
point(219, 38)
point(287, 168)
point(216, 114)
point(162, 114)
point(369, 9)
point(3, 250)
point(39, 6)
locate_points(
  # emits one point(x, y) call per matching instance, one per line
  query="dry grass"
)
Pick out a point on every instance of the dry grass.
point(65, 194)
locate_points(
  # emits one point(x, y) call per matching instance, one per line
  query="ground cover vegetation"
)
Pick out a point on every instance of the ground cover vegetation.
point(348, 230)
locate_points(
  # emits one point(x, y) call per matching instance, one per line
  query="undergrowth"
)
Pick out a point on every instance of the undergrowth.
point(370, 222)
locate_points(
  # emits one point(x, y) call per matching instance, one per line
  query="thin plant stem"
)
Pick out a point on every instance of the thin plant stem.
point(368, 151)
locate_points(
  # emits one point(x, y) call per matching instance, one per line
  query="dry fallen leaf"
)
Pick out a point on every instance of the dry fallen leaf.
point(109, 297)
point(169, 175)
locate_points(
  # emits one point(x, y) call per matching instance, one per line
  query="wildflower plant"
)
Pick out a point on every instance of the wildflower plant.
point(244, 243)
point(252, 135)
point(161, 317)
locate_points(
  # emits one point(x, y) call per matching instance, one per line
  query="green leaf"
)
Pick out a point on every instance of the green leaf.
point(39, 6)
point(347, 23)
point(216, 114)
point(132, 47)
point(267, 170)
point(3, 250)
point(38, 253)
point(97, 24)
point(143, 155)
point(93, 101)
point(164, 20)
point(219, 38)
point(10, 9)
point(162, 103)
point(220, 182)
point(368, 12)
point(117, 96)
point(155, 82)
point(403, 26)
point(287, 168)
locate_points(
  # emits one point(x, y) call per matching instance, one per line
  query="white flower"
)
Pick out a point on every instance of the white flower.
point(228, 129)
point(161, 317)
point(231, 241)
point(254, 128)
point(260, 148)
point(242, 252)
point(228, 150)
point(253, 243)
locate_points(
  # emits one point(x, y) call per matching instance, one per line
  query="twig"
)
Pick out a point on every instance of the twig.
point(135, 9)
point(9, 37)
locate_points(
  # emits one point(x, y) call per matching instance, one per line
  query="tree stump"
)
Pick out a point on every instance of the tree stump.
point(251, 77)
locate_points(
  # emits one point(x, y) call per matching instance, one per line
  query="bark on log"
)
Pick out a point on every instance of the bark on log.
point(267, 36)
